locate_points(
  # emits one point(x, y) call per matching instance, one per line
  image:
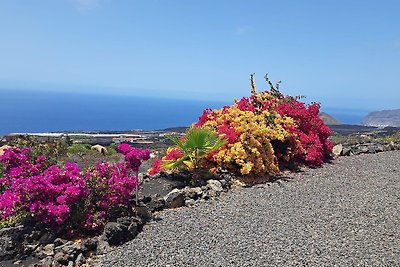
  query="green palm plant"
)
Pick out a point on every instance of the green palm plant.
point(197, 144)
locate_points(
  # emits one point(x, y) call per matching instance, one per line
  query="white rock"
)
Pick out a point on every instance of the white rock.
point(214, 185)
point(48, 250)
point(337, 150)
point(175, 198)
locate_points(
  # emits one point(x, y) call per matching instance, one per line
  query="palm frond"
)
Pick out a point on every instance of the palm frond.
point(203, 139)
point(198, 143)
point(174, 164)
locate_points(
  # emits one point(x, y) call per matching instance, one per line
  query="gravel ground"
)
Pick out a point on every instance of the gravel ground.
point(343, 214)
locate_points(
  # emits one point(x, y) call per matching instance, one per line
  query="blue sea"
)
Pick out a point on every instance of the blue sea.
point(33, 111)
point(28, 111)
point(347, 115)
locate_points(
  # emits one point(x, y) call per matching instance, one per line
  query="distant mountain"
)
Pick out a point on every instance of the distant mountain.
point(328, 119)
point(383, 118)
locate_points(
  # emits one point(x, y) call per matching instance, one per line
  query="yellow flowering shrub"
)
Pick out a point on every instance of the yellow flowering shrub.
point(251, 136)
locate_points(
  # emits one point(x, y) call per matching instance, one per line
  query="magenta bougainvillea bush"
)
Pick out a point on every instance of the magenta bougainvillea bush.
point(65, 195)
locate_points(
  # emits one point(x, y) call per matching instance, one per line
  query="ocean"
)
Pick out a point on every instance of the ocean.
point(347, 115)
point(33, 111)
point(27, 111)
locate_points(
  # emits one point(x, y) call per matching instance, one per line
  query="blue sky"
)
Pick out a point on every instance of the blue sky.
point(340, 53)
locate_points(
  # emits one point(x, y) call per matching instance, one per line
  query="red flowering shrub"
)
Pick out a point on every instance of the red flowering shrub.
point(311, 132)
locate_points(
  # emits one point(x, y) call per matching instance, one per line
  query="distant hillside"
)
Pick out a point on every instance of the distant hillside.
point(383, 118)
point(328, 119)
point(346, 129)
point(176, 129)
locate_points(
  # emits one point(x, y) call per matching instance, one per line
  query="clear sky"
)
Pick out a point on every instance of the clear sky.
point(342, 53)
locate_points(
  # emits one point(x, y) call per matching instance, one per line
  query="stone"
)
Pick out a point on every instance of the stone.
point(143, 211)
point(59, 248)
point(364, 149)
point(126, 221)
point(80, 260)
point(197, 191)
point(47, 238)
point(193, 192)
point(33, 236)
point(215, 185)
point(206, 196)
point(133, 230)
point(190, 202)
point(57, 264)
point(99, 148)
point(8, 238)
point(102, 246)
point(114, 233)
point(145, 199)
point(337, 150)
point(131, 224)
point(346, 151)
point(61, 258)
point(46, 262)
point(156, 204)
point(380, 148)
point(359, 149)
point(212, 193)
point(89, 244)
point(29, 248)
point(71, 250)
point(17, 262)
point(175, 198)
point(48, 250)
point(224, 183)
point(389, 146)
point(372, 149)
point(59, 242)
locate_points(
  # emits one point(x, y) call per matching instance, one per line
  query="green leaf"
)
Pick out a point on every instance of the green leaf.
point(197, 144)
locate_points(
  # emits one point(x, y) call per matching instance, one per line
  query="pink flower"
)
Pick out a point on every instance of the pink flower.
point(174, 154)
point(156, 167)
point(53, 194)
point(124, 149)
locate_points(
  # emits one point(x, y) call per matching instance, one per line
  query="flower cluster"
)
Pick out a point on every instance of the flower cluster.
point(66, 195)
point(173, 153)
point(252, 137)
point(47, 194)
point(51, 149)
point(134, 156)
point(110, 187)
point(50, 195)
point(310, 131)
point(18, 163)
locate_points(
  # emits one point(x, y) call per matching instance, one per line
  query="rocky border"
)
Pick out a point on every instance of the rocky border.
point(29, 242)
point(43, 247)
point(364, 147)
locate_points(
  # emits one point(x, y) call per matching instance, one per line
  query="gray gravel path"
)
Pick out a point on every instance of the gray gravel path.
point(343, 214)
